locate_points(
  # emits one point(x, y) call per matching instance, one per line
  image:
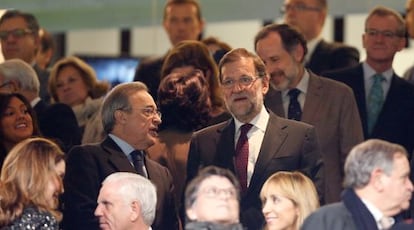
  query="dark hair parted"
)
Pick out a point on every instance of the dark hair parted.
point(184, 101)
point(290, 36)
point(195, 54)
point(238, 54)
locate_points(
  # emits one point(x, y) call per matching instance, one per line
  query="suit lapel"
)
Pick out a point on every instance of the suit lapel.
point(272, 141)
point(273, 101)
point(116, 157)
point(389, 109)
point(225, 148)
point(313, 99)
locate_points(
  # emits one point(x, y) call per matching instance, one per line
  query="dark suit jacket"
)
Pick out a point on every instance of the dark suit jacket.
point(330, 56)
point(58, 122)
point(43, 76)
point(149, 72)
point(88, 165)
point(330, 217)
point(287, 146)
point(395, 122)
point(331, 108)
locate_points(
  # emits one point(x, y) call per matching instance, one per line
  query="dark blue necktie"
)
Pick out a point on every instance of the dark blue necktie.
point(294, 110)
point(138, 162)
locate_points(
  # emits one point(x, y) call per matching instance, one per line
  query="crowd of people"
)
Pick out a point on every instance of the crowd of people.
point(299, 134)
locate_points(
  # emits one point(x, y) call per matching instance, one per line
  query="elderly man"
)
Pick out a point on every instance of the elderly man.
point(19, 37)
point(299, 94)
point(385, 101)
point(126, 201)
point(56, 121)
point(378, 187)
point(309, 17)
point(182, 21)
point(130, 118)
point(254, 143)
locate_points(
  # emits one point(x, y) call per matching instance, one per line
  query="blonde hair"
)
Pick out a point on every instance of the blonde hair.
point(26, 172)
point(95, 88)
point(296, 187)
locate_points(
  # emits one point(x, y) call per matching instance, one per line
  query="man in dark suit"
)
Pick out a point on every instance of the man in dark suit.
point(56, 121)
point(309, 17)
point(130, 118)
point(378, 187)
point(19, 36)
point(272, 144)
point(182, 21)
point(393, 120)
point(326, 104)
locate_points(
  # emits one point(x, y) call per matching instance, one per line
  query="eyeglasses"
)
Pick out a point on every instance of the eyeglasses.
point(214, 192)
point(244, 81)
point(386, 33)
point(151, 112)
point(17, 33)
point(298, 7)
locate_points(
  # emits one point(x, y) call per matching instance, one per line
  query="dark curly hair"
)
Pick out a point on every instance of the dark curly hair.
point(184, 101)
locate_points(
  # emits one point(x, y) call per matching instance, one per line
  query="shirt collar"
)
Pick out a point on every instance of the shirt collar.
point(124, 146)
point(34, 102)
point(260, 121)
point(376, 213)
point(369, 72)
point(302, 85)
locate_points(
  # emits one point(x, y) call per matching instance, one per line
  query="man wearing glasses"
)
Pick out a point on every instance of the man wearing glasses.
point(255, 143)
point(296, 93)
point(385, 101)
point(309, 18)
point(130, 118)
point(19, 37)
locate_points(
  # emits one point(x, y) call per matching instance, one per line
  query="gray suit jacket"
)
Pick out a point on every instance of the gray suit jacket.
point(287, 146)
point(331, 108)
point(330, 217)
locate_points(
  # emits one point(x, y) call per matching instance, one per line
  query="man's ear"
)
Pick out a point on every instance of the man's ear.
point(135, 211)
point(120, 116)
point(376, 179)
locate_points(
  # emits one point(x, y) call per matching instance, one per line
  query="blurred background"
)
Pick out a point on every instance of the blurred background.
point(122, 32)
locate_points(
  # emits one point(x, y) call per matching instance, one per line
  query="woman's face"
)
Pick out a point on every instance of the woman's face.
point(70, 86)
point(55, 186)
point(280, 212)
point(16, 122)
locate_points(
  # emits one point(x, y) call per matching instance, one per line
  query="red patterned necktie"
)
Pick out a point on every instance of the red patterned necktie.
point(242, 155)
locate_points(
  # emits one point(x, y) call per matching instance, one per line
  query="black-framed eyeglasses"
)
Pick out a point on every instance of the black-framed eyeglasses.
point(17, 33)
point(298, 7)
point(245, 81)
point(385, 33)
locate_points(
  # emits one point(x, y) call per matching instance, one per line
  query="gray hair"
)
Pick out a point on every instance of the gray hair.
point(134, 187)
point(118, 99)
point(368, 156)
point(21, 72)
